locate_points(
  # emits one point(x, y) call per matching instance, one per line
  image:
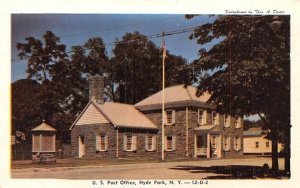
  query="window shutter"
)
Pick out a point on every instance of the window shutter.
point(224, 140)
point(106, 143)
point(204, 118)
point(165, 143)
point(239, 122)
point(124, 142)
point(198, 116)
point(165, 118)
point(134, 142)
point(146, 143)
point(97, 142)
point(173, 142)
point(235, 143)
point(228, 143)
point(239, 143)
point(229, 121)
point(173, 117)
point(218, 119)
point(154, 143)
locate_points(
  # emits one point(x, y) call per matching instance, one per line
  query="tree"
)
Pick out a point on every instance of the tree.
point(248, 71)
point(63, 85)
point(25, 106)
point(137, 64)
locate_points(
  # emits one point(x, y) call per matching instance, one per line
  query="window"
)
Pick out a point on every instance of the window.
point(256, 144)
point(238, 122)
point(226, 143)
point(170, 143)
point(237, 143)
point(215, 118)
point(101, 143)
point(150, 143)
point(169, 117)
point(267, 144)
point(129, 142)
point(226, 120)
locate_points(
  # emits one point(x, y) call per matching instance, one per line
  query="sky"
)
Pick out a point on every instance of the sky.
point(76, 29)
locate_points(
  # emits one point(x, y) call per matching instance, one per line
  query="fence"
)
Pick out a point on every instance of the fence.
point(21, 152)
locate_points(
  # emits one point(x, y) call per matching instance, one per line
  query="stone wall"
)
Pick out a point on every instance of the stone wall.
point(178, 129)
point(89, 133)
point(140, 148)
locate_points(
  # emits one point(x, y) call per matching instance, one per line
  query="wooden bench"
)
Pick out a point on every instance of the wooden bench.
point(48, 157)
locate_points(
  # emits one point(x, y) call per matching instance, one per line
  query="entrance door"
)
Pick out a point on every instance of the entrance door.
point(215, 146)
point(201, 145)
point(81, 146)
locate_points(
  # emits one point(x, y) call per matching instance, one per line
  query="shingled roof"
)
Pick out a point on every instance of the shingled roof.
point(125, 115)
point(120, 115)
point(43, 127)
point(175, 94)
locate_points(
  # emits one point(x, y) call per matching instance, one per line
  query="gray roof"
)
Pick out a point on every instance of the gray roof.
point(174, 96)
point(121, 115)
point(125, 115)
point(252, 133)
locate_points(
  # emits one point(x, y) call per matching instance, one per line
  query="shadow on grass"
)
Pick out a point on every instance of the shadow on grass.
point(232, 171)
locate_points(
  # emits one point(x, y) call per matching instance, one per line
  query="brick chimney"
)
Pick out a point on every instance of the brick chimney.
point(96, 88)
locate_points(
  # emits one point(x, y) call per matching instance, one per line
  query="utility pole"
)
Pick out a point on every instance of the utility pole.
point(164, 55)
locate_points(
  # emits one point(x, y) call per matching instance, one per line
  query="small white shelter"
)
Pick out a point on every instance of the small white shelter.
point(43, 143)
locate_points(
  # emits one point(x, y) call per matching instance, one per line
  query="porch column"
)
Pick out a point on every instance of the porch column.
point(195, 145)
point(208, 145)
point(117, 145)
point(220, 147)
point(187, 131)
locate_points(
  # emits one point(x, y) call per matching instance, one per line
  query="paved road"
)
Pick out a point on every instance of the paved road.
point(171, 170)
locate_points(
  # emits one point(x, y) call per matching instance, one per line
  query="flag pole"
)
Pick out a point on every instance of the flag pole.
point(163, 99)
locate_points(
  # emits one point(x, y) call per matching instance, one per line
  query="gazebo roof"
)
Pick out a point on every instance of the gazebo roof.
point(43, 127)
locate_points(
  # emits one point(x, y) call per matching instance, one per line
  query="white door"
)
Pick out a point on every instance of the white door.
point(81, 146)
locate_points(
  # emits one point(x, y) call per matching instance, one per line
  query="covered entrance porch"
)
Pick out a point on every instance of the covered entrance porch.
point(207, 142)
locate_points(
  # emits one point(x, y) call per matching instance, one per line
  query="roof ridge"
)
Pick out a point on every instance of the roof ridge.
point(118, 103)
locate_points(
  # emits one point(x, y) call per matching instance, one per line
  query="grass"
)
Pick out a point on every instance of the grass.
point(72, 162)
point(75, 162)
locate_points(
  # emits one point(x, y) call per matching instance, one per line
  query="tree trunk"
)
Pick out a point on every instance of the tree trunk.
point(287, 151)
point(275, 152)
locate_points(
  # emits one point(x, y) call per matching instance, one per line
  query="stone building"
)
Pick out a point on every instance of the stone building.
point(193, 129)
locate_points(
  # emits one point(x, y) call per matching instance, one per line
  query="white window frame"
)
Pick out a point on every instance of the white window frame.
point(151, 138)
point(133, 141)
point(227, 120)
point(173, 143)
point(100, 139)
point(173, 117)
point(237, 142)
point(237, 122)
point(215, 119)
point(226, 143)
point(200, 114)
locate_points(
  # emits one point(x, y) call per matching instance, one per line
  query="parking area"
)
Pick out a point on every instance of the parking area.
point(244, 168)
